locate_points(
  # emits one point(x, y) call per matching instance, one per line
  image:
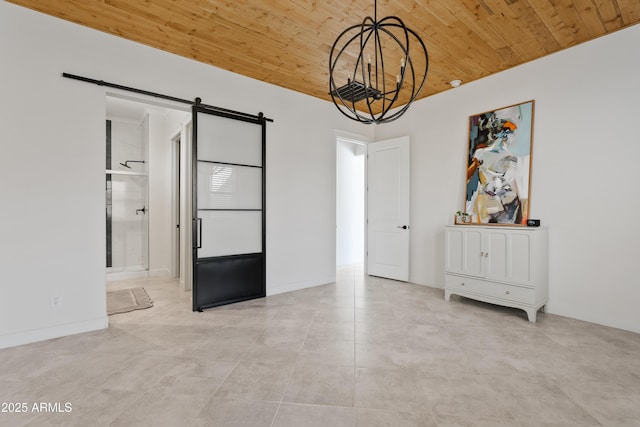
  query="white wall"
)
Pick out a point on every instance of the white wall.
point(350, 190)
point(584, 182)
point(52, 238)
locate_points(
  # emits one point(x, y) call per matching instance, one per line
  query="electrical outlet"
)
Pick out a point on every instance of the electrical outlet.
point(55, 301)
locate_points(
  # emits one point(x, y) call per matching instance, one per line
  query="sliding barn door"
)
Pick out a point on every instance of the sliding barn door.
point(228, 207)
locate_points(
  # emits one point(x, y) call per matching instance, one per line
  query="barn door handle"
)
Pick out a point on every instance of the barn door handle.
point(199, 227)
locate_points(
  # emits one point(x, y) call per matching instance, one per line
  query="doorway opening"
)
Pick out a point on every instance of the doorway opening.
point(350, 202)
point(372, 206)
point(144, 175)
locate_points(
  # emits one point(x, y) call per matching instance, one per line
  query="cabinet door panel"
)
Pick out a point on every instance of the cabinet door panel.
point(473, 250)
point(454, 250)
point(520, 262)
point(497, 255)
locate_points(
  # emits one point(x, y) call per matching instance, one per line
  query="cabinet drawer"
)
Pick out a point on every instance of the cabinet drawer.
point(489, 289)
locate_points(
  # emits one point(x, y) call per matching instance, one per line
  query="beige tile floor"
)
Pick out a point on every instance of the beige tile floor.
point(360, 352)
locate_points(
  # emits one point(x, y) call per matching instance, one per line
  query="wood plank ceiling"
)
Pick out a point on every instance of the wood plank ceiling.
point(287, 42)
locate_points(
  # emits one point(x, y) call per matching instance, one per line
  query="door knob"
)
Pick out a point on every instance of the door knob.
point(404, 227)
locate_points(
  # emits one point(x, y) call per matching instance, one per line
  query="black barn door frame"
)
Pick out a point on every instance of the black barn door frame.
point(226, 279)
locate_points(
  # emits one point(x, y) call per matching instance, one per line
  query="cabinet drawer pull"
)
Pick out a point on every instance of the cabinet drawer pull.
point(462, 284)
point(508, 293)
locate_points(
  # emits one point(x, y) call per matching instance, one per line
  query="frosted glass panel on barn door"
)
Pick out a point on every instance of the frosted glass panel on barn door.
point(228, 214)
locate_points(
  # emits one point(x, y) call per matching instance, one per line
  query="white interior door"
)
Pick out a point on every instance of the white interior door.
point(388, 208)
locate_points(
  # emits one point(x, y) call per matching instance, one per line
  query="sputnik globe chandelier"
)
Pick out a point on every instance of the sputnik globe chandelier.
point(377, 69)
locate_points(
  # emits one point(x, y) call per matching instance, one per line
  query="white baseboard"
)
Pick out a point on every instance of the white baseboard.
point(288, 287)
point(161, 272)
point(27, 337)
point(184, 286)
point(128, 275)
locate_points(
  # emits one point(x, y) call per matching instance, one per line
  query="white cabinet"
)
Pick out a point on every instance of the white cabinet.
point(500, 265)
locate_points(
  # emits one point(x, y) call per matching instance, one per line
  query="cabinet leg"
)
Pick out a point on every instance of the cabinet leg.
point(531, 314)
point(447, 295)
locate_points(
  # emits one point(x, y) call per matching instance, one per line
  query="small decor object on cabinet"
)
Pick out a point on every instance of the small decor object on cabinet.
point(462, 218)
point(499, 165)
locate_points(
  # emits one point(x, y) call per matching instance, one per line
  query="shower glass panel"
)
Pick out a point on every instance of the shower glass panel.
point(127, 197)
point(129, 222)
